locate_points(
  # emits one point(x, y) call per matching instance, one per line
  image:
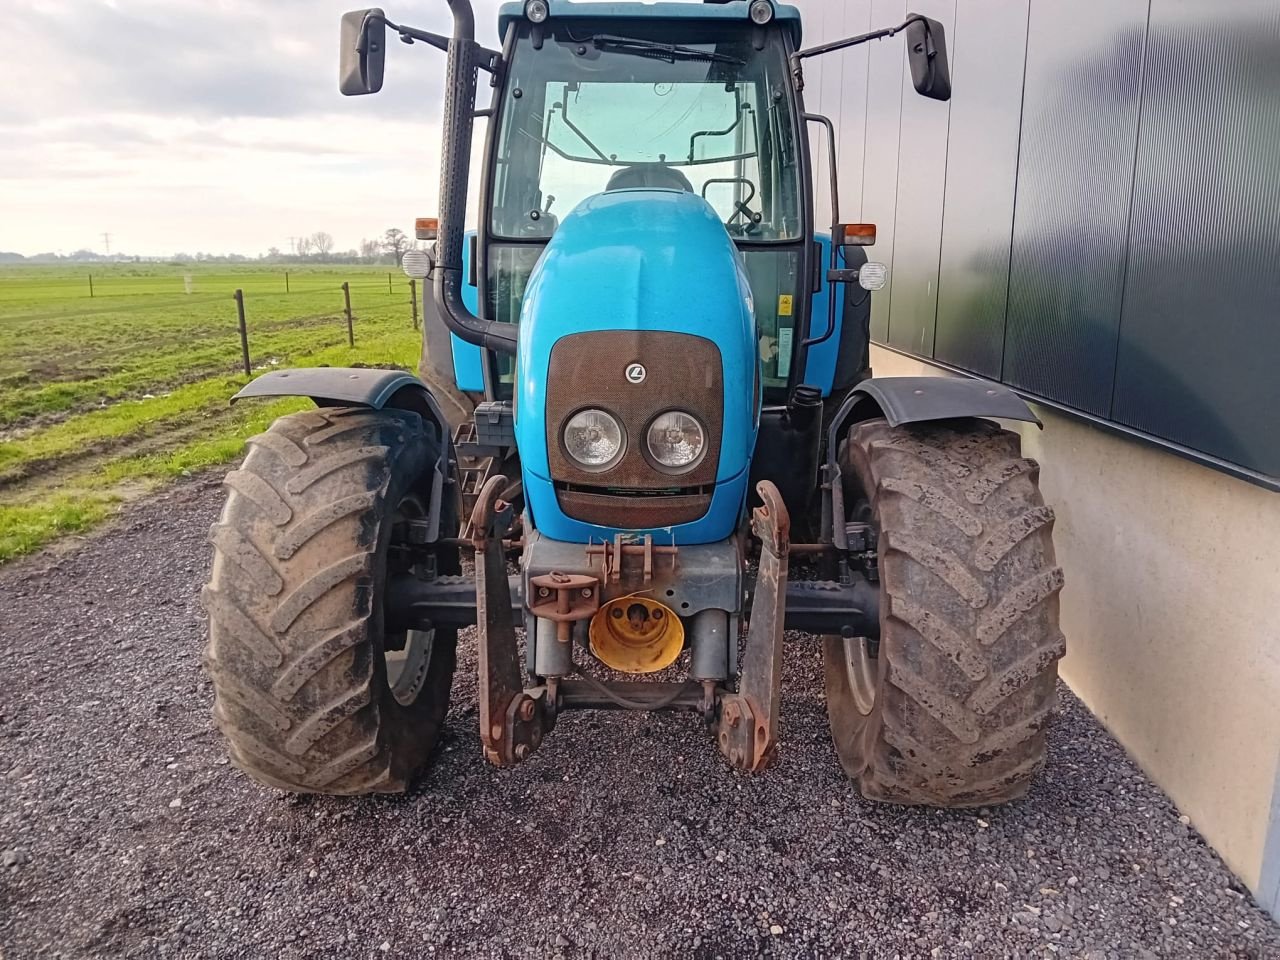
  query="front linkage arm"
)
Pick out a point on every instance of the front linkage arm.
point(512, 721)
point(748, 734)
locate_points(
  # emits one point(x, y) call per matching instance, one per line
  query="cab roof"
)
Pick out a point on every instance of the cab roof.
point(785, 14)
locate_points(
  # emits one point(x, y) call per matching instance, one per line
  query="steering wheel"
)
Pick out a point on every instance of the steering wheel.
point(741, 208)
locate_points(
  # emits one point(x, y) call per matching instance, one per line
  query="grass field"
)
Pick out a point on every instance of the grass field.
point(104, 396)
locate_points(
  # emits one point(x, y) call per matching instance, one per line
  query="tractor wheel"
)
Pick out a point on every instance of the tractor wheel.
point(311, 694)
point(949, 707)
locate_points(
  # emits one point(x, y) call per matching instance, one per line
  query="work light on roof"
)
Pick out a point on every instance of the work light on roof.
point(536, 11)
point(761, 11)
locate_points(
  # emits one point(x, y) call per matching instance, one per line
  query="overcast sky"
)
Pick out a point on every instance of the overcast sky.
point(214, 125)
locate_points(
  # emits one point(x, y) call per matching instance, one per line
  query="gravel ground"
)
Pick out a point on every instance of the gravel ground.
point(125, 833)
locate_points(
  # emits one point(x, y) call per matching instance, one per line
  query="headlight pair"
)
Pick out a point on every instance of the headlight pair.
point(674, 440)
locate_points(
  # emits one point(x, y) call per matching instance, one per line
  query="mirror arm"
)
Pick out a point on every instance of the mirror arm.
point(834, 187)
point(487, 60)
point(844, 44)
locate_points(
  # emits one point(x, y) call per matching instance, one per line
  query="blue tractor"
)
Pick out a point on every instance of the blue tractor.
point(645, 389)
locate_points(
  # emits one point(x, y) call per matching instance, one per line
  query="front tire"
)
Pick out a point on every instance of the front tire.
point(312, 695)
point(950, 708)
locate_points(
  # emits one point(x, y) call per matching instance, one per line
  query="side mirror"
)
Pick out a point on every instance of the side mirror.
point(927, 55)
point(363, 52)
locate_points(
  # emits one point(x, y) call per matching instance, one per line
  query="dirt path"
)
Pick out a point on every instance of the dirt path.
point(127, 835)
point(38, 476)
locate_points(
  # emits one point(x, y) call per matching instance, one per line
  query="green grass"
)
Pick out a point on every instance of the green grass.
point(103, 397)
point(25, 527)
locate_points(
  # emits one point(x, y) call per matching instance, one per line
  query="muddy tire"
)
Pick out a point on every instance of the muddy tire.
point(951, 709)
point(302, 670)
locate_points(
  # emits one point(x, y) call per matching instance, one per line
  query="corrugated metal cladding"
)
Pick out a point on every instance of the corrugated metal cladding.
point(1094, 217)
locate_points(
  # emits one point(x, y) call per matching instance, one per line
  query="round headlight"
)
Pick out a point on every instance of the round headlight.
point(676, 439)
point(761, 12)
point(593, 438)
point(536, 11)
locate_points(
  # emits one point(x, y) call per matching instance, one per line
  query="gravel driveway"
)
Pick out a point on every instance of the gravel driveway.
point(125, 832)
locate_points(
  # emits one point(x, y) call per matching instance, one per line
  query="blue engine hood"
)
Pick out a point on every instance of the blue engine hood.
point(642, 259)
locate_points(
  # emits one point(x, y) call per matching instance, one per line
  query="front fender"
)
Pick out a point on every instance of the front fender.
point(917, 399)
point(353, 387)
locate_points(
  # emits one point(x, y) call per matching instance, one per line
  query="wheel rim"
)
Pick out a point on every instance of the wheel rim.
point(862, 674)
point(862, 670)
point(407, 667)
point(408, 654)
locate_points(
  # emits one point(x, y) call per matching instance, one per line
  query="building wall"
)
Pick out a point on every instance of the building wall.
point(1094, 219)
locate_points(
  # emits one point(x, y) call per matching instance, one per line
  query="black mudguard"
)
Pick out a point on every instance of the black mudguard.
point(352, 387)
point(917, 399)
point(908, 400)
point(329, 386)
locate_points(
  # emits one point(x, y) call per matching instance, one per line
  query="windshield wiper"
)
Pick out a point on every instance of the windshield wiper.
point(670, 52)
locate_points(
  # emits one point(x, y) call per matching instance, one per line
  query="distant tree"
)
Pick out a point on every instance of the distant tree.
point(370, 249)
point(304, 246)
point(322, 243)
point(395, 243)
point(273, 253)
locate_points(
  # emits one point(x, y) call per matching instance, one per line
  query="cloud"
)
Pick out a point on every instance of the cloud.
point(213, 125)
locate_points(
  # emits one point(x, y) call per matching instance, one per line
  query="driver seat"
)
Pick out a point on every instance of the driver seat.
point(652, 175)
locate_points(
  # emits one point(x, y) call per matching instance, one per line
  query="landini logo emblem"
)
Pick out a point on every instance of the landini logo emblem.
point(636, 372)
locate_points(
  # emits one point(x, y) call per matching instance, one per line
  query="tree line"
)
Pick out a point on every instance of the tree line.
point(317, 247)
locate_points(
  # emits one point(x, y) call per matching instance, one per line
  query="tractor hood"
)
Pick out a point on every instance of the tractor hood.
point(640, 304)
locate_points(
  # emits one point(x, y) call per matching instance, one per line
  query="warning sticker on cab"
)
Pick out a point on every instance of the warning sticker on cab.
point(785, 305)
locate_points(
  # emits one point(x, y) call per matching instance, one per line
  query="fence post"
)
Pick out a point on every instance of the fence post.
point(346, 295)
point(389, 292)
point(244, 333)
point(413, 300)
point(286, 281)
point(91, 285)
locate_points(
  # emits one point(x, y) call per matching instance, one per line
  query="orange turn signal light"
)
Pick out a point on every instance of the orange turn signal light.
point(857, 234)
point(426, 228)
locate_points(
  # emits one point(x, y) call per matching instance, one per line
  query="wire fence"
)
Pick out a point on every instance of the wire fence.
point(33, 287)
point(248, 317)
point(348, 315)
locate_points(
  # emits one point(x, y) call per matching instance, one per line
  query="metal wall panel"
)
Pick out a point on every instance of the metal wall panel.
point(850, 121)
point(1200, 334)
point(989, 53)
point(922, 172)
point(1071, 214)
point(836, 86)
point(880, 166)
point(818, 99)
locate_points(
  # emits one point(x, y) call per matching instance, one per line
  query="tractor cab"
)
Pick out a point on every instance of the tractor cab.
point(687, 100)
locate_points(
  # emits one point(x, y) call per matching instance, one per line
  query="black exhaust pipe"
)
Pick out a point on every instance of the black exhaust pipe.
point(459, 109)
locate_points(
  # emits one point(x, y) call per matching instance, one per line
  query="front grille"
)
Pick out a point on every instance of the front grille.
point(589, 370)
point(623, 510)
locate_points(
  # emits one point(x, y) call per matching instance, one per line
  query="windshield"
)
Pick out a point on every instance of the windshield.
point(594, 108)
